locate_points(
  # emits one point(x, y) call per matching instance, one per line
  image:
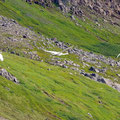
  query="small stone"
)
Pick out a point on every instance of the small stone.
point(24, 36)
point(118, 75)
point(100, 79)
point(89, 114)
point(64, 66)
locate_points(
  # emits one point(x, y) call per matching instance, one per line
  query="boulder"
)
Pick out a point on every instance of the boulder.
point(101, 79)
point(7, 75)
point(94, 69)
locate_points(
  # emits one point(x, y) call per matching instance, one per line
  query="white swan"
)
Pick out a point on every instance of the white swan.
point(1, 57)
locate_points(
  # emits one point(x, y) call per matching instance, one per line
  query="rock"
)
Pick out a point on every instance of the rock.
point(118, 63)
point(100, 102)
point(72, 17)
point(102, 70)
point(106, 8)
point(88, 75)
point(54, 39)
point(94, 69)
point(64, 66)
point(24, 36)
point(12, 52)
point(98, 78)
point(101, 79)
point(89, 114)
point(75, 69)
point(8, 76)
point(82, 71)
point(3, 0)
point(94, 75)
point(118, 75)
point(116, 86)
point(1, 118)
point(48, 69)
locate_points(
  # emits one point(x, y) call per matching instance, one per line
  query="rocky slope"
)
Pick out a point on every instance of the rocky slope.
point(22, 42)
point(107, 8)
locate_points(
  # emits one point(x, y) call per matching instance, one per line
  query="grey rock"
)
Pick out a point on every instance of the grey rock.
point(90, 115)
point(1, 118)
point(118, 63)
point(94, 75)
point(8, 76)
point(73, 17)
point(101, 79)
point(88, 75)
point(118, 75)
point(64, 66)
point(94, 69)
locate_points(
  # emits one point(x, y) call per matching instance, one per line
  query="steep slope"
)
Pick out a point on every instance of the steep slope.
point(110, 8)
point(82, 32)
point(24, 42)
point(57, 87)
point(49, 92)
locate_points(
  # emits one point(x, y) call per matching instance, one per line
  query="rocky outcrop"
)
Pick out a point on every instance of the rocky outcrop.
point(101, 79)
point(87, 59)
point(64, 63)
point(86, 56)
point(98, 70)
point(8, 76)
point(13, 36)
point(109, 8)
point(106, 7)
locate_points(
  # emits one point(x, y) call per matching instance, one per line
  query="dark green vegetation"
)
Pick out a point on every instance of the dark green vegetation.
point(53, 24)
point(54, 94)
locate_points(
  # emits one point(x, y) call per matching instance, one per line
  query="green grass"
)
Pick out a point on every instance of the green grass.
point(79, 95)
point(57, 94)
point(52, 23)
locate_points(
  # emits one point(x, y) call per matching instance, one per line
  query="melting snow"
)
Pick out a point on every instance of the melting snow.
point(56, 53)
point(118, 55)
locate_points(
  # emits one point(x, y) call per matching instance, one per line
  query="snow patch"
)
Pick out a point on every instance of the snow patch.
point(56, 53)
point(118, 56)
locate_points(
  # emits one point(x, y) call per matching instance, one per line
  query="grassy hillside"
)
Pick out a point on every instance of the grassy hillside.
point(53, 94)
point(53, 24)
point(48, 92)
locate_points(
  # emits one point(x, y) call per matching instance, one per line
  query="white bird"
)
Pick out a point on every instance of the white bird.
point(118, 55)
point(1, 57)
